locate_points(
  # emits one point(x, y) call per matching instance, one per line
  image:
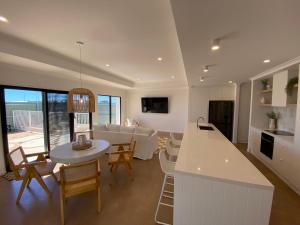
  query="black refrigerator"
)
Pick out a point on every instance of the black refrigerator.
point(221, 115)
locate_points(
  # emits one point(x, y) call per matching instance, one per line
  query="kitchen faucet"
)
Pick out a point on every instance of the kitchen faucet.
point(200, 117)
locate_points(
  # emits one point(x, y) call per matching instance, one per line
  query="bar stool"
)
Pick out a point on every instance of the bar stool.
point(167, 167)
point(175, 142)
point(172, 150)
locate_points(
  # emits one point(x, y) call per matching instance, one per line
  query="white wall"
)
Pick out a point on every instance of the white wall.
point(2, 162)
point(199, 98)
point(174, 121)
point(19, 76)
point(244, 112)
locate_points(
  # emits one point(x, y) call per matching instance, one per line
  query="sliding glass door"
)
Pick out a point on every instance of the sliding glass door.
point(59, 119)
point(104, 109)
point(38, 119)
point(82, 121)
point(25, 120)
point(109, 109)
point(115, 110)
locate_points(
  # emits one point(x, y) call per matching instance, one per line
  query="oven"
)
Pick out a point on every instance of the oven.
point(267, 145)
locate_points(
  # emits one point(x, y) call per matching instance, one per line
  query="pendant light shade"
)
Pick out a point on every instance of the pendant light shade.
point(81, 99)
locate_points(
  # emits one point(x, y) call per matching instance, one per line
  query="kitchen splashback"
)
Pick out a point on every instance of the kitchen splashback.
point(287, 118)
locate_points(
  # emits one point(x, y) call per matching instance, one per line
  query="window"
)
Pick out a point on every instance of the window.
point(38, 119)
point(24, 120)
point(109, 109)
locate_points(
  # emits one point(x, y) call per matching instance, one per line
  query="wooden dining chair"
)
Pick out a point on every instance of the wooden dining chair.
point(26, 171)
point(123, 155)
point(76, 179)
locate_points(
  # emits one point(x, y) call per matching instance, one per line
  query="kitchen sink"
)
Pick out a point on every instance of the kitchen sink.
point(205, 128)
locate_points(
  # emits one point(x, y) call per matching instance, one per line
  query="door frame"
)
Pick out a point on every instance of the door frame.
point(45, 117)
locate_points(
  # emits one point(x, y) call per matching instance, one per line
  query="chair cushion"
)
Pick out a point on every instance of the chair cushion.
point(45, 169)
point(113, 158)
point(127, 129)
point(113, 127)
point(143, 130)
point(100, 127)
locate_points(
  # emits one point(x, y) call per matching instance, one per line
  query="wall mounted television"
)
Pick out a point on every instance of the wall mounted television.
point(155, 105)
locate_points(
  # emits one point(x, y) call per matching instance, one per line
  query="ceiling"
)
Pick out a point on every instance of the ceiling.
point(251, 31)
point(130, 35)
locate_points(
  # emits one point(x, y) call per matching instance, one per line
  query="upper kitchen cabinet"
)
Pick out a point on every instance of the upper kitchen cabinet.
point(279, 96)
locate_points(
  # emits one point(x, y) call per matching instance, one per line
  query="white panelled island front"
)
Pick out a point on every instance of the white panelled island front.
point(215, 184)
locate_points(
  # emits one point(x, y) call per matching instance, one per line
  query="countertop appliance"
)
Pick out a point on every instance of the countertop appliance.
point(280, 132)
point(267, 145)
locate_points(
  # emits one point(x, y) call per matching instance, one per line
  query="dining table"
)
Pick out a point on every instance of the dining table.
point(66, 155)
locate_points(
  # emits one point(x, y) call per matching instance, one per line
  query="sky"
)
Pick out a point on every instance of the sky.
point(15, 95)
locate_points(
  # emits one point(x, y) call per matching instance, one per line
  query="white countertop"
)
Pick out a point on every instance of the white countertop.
point(211, 155)
point(288, 140)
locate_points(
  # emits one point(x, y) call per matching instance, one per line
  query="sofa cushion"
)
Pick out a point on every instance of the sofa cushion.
point(100, 127)
point(113, 127)
point(127, 129)
point(143, 130)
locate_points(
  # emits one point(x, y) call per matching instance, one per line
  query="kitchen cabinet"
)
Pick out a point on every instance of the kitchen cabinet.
point(216, 184)
point(285, 162)
point(254, 142)
point(279, 96)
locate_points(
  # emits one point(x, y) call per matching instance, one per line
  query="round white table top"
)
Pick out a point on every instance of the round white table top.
point(64, 153)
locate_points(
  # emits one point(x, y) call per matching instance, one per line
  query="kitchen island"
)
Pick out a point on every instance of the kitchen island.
point(215, 184)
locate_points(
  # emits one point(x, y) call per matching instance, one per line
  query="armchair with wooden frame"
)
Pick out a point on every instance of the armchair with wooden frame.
point(122, 156)
point(76, 179)
point(26, 171)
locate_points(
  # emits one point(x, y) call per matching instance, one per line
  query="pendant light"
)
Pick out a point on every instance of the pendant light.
point(81, 99)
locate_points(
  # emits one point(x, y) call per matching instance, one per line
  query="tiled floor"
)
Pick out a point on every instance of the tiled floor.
point(126, 202)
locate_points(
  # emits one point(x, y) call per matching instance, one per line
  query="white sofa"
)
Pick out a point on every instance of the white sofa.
point(146, 139)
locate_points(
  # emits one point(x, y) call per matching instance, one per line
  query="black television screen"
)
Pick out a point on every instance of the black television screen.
point(155, 105)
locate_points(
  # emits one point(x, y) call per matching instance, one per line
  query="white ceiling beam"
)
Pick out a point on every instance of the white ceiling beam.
point(21, 48)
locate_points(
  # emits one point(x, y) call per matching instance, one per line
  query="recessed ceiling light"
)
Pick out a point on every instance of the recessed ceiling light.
point(205, 69)
point(230, 82)
point(159, 59)
point(201, 79)
point(107, 65)
point(173, 77)
point(3, 19)
point(215, 44)
point(267, 60)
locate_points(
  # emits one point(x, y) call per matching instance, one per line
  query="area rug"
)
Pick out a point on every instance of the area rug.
point(162, 142)
point(9, 176)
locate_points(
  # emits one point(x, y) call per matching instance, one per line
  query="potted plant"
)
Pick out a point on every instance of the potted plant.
point(273, 117)
point(293, 82)
point(265, 84)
